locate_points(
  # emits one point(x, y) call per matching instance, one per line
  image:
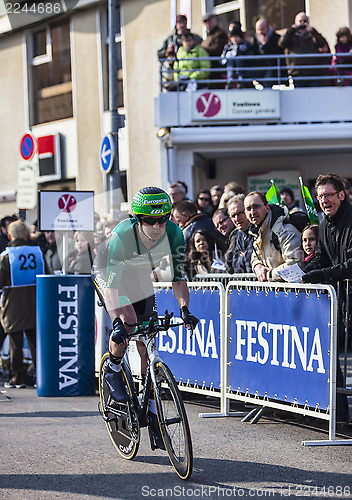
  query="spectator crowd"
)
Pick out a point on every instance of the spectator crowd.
point(189, 62)
point(225, 229)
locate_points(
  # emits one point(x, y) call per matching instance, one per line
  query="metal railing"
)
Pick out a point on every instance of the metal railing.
point(259, 71)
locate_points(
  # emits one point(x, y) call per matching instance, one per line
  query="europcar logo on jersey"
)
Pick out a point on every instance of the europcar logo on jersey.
point(208, 104)
point(67, 203)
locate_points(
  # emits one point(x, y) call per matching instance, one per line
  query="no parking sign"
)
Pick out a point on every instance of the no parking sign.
point(27, 146)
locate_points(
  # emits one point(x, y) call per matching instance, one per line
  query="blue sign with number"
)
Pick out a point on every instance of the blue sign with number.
point(193, 358)
point(107, 153)
point(277, 350)
point(25, 263)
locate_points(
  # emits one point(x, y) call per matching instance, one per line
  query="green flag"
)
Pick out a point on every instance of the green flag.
point(309, 204)
point(273, 196)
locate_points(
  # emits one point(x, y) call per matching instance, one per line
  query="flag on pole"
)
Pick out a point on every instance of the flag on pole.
point(309, 204)
point(273, 196)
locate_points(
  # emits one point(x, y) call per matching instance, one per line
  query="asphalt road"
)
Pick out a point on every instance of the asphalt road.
point(58, 448)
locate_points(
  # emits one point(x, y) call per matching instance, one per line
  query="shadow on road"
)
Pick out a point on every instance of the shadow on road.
point(208, 473)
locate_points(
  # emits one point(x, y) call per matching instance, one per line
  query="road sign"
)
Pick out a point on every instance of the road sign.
point(107, 153)
point(27, 147)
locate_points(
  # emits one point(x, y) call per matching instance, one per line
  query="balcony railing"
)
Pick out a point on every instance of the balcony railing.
point(258, 72)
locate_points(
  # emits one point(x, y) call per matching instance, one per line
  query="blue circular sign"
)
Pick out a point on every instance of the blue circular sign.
point(27, 147)
point(107, 153)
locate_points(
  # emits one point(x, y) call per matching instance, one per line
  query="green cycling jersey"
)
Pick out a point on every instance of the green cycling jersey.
point(126, 265)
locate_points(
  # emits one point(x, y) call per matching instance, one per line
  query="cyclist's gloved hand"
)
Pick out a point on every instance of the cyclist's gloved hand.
point(119, 333)
point(188, 318)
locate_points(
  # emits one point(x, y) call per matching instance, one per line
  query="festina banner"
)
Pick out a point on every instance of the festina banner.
point(194, 358)
point(280, 346)
point(65, 336)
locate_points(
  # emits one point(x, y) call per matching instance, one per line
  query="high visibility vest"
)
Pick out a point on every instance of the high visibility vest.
point(25, 263)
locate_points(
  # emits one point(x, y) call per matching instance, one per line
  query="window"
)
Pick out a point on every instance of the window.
point(51, 74)
point(279, 13)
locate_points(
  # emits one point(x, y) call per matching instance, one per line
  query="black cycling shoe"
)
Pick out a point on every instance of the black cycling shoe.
point(154, 426)
point(116, 385)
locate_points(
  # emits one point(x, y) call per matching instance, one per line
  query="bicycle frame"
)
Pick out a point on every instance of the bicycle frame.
point(141, 405)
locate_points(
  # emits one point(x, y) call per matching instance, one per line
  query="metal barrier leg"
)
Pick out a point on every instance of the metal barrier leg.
point(4, 398)
point(259, 414)
point(335, 442)
point(251, 414)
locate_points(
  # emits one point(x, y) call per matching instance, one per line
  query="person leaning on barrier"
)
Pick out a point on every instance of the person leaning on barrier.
point(266, 42)
point(332, 261)
point(302, 38)
point(239, 253)
point(214, 45)
point(19, 265)
point(276, 244)
point(223, 223)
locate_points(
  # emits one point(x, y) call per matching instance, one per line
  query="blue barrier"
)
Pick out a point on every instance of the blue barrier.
point(280, 345)
point(65, 336)
point(193, 360)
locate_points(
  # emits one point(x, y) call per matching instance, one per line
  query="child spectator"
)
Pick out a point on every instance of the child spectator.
point(309, 241)
point(82, 260)
point(188, 63)
point(344, 44)
point(237, 46)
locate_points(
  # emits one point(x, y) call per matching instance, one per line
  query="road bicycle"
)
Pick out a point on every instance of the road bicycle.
point(125, 420)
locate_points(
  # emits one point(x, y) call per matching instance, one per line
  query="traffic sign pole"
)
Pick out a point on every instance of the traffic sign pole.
point(114, 178)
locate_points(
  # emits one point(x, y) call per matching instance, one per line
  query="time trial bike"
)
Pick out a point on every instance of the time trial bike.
point(125, 420)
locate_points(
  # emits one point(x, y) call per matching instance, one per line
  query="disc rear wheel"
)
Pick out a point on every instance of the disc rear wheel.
point(120, 418)
point(173, 421)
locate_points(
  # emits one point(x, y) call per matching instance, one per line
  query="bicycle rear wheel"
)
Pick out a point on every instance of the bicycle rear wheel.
point(120, 418)
point(173, 421)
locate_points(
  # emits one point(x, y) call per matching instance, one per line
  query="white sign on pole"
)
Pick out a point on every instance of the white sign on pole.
point(27, 187)
point(66, 211)
point(261, 181)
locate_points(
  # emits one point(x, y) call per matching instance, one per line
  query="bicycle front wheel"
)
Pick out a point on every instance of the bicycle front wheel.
point(173, 421)
point(120, 418)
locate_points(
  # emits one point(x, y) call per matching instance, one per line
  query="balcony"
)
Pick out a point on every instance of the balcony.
point(320, 97)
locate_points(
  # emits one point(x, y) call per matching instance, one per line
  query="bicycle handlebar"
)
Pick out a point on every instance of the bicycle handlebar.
point(156, 324)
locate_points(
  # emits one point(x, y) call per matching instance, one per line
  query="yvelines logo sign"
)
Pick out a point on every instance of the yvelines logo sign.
point(25, 12)
point(233, 105)
point(208, 104)
point(67, 203)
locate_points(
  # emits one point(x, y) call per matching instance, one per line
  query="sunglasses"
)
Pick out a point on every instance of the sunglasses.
point(153, 220)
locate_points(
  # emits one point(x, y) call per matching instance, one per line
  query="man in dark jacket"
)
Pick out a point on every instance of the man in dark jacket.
point(19, 265)
point(266, 42)
point(214, 44)
point(302, 38)
point(332, 262)
point(173, 42)
point(189, 220)
point(239, 253)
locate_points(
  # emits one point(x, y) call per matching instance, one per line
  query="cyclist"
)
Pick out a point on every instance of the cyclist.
point(147, 247)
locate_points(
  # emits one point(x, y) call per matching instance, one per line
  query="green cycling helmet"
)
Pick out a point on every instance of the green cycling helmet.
point(151, 202)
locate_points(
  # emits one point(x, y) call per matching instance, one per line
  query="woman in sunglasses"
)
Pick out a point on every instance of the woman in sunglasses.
point(136, 250)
